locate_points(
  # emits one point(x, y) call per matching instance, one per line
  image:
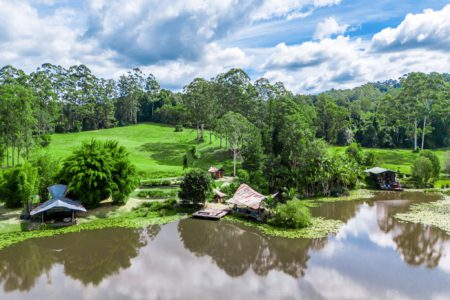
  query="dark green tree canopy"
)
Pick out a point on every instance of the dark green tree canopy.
point(99, 170)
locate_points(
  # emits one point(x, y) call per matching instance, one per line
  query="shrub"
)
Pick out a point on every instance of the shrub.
point(47, 168)
point(178, 128)
point(293, 214)
point(434, 161)
point(355, 151)
point(45, 140)
point(243, 176)
point(195, 186)
point(157, 193)
point(96, 171)
point(447, 162)
point(422, 169)
point(18, 186)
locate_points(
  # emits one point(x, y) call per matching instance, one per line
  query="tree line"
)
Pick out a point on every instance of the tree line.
point(281, 136)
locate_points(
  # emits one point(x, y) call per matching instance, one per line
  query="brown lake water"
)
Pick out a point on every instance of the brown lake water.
point(373, 256)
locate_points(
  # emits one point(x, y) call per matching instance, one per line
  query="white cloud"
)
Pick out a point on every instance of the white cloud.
point(430, 29)
point(289, 8)
point(328, 28)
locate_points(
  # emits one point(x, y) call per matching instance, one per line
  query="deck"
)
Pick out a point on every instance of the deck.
point(211, 213)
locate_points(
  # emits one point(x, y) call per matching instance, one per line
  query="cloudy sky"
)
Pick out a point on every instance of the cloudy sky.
point(310, 45)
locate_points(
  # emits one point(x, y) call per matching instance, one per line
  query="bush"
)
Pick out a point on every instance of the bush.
point(195, 186)
point(178, 128)
point(47, 168)
point(434, 161)
point(355, 151)
point(96, 171)
point(447, 162)
point(45, 140)
point(422, 169)
point(157, 193)
point(243, 176)
point(293, 214)
point(18, 186)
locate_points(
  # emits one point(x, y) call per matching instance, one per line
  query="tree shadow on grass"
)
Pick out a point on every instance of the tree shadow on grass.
point(166, 153)
point(393, 157)
point(218, 157)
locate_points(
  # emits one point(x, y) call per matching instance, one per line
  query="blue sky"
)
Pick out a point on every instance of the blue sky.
point(310, 45)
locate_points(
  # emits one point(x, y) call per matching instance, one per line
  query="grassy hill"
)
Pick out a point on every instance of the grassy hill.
point(155, 149)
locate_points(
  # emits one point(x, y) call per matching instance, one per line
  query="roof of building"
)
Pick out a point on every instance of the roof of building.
point(57, 191)
point(377, 170)
point(219, 193)
point(58, 200)
point(58, 203)
point(246, 196)
point(213, 169)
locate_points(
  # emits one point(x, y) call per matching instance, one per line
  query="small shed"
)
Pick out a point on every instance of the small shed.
point(215, 172)
point(219, 197)
point(385, 179)
point(248, 202)
point(59, 209)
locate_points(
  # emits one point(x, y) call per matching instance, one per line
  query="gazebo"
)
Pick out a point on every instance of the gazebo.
point(248, 202)
point(58, 209)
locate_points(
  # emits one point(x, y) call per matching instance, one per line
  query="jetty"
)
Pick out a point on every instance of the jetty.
point(211, 213)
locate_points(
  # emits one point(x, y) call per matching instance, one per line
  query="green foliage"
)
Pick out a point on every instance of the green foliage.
point(157, 193)
point(243, 176)
point(45, 140)
point(293, 214)
point(18, 186)
point(319, 228)
point(96, 171)
point(178, 128)
point(47, 168)
point(195, 186)
point(434, 161)
point(422, 169)
point(447, 162)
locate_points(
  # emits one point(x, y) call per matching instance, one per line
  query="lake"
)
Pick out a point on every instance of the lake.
point(373, 256)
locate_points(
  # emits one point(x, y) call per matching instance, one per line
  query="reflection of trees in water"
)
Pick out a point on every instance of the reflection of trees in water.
point(88, 256)
point(418, 244)
point(235, 249)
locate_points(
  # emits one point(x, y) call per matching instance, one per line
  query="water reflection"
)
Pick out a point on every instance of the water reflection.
point(88, 256)
point(417, 244)
point(374, 256)
point(236, 249)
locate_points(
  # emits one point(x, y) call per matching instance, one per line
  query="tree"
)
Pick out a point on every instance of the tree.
point(293, 214)
point(331, 118)
point(201, 104)
point(47, 169)
point(422, 169)
point(195, 186)
point(434, 161)
point(18, 186)
point(96, 171)
point(238, 130)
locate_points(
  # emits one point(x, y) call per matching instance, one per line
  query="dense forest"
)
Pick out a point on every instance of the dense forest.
point(277, 133)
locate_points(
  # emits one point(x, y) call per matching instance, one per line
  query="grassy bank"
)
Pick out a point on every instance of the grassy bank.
point(139, 217)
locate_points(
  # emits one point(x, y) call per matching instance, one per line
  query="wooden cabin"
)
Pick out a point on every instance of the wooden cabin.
point(219, 197)
point(248, 202)
point(216, 173)
point(385, 179)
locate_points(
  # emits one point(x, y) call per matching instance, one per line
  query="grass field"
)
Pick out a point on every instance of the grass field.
point(156, 150)
point(401, 160)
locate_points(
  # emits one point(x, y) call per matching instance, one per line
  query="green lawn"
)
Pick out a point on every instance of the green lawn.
point(401, 160)
point(156, 150)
